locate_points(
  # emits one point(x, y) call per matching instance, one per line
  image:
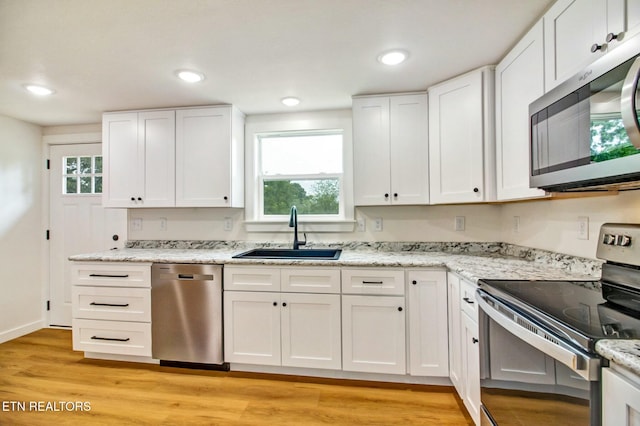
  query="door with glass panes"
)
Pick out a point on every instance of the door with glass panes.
point(78, 223)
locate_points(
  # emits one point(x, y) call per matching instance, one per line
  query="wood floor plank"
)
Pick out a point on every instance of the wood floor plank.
point(41, 368)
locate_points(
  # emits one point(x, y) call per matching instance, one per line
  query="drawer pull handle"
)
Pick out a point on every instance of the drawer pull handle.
point(109, 276)
point(113, 339)
point(109, 304)
point(469, 301)
point(373, 282)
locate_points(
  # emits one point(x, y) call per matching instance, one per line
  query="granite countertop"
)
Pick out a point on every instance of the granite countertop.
point(472, 261)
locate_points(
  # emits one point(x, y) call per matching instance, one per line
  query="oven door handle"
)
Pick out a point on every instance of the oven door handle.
point(628, 103)
point(561, 352)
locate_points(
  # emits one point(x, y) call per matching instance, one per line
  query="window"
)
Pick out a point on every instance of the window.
point(82, 175)
point(304, 169)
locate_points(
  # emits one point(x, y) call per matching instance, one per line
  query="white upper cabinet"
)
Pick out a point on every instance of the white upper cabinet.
point(577, 32)
point(461, 139)
point(209, 157)
point(139, 156)
point(519, 81)
point(390, 150)
point(166, 158)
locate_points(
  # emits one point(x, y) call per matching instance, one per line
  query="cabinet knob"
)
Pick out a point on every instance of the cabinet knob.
point(476, 190)
point(612, 36)
point(395, 195)
point(414, 282)
point(284, 303)
point(275, 303)
point(225, 198)
point(133, 198)
point(115, 237)
point(595, 47)
point(399, 308)
point(139, 198)
point(474, 340)
point(386, 195)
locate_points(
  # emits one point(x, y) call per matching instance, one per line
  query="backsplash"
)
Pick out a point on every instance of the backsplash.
point(566, 262)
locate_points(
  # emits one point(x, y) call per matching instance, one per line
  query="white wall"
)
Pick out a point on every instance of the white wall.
point(553, 225)
point(21, 231)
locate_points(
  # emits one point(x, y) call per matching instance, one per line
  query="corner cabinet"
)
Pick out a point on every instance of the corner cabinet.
point(190, 157)
point(390, 150)
point(138, 150)
point(462, 140)
point(519, 81)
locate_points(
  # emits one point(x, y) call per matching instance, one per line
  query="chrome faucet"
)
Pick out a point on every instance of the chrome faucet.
point(293, 223)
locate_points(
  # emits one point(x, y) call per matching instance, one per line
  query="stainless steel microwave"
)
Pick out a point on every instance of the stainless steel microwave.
point(585, 133)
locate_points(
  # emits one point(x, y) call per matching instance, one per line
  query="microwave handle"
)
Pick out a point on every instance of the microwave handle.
point(628, 103)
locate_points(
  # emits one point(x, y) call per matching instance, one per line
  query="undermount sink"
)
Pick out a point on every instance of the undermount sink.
point(276, 253)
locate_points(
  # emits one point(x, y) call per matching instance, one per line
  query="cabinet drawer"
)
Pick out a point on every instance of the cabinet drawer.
point(251, 279)
point(111, 303)
point(468, 299)
point(112, 337)
point(373, 281)
point(304, 280)
point(117, 274)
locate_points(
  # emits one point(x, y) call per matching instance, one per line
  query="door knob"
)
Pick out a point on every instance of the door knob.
point(115, 237)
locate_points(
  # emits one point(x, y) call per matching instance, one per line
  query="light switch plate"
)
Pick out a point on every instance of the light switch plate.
point(228, 223)
point(136, 224)
point(583, 227)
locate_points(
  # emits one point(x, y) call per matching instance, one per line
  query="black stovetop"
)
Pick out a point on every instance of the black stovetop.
point(574, 308)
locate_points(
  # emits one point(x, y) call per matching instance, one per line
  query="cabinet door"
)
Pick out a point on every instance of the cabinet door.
point(252, 327)
point(311, 330)
point(571, 27)
point(519, 81)
point(456, 148)
point(455, 334)
point(373, 334)
point(621, 400)
point(123, 160)
point(409, 149)
point(156, 130)
point(428, 337)
point(203, 157)
point(371, 164)
point(471, 366)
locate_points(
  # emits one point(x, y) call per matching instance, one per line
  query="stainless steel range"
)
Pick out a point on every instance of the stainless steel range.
point(537, 338)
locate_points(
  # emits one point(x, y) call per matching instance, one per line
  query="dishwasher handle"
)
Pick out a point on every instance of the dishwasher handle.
point(191, 277)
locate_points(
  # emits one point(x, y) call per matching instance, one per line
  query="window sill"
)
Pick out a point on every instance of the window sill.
point(309, 227)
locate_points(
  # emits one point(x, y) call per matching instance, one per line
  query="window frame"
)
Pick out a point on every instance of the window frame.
point(290, 124)
point(92, 175)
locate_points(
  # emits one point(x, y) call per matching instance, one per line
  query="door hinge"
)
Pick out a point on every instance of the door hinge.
point(48, 305)
point(47, 235)
point(48, 164)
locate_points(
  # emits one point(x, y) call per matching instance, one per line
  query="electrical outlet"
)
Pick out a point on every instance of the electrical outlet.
point(583, 227)
point(228, 223)
point(516, 224)
point(163, 223)
point(459, 223)
point(377, 224)
point(136, 224)
point(362, 225)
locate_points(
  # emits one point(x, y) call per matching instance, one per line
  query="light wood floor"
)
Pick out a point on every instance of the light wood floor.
point(42, 368)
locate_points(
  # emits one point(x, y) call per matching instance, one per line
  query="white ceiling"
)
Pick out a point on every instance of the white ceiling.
point(106, 55)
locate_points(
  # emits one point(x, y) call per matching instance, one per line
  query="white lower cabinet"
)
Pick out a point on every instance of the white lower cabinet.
point(111, 305)
point(464, 352)
point(373, 334)
point(428, 337)
point(291, 329)
point(620, 398)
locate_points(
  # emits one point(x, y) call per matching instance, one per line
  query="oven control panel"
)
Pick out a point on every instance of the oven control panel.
point(618, 243)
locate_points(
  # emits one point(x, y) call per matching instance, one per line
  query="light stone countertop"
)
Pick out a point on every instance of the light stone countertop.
point(472, 261)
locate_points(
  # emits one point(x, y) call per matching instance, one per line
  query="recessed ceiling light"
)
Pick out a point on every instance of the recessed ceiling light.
point(190, 76)
point(39, 90)
point(290, 101)
point(393, 57)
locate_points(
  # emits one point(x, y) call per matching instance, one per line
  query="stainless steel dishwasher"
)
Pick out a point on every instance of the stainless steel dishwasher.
point(186, 313)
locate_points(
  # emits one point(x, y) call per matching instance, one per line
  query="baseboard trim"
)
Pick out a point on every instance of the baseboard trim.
point(14, 333)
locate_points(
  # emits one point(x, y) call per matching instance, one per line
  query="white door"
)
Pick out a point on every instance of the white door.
point(373, 334)
point(78, 223)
